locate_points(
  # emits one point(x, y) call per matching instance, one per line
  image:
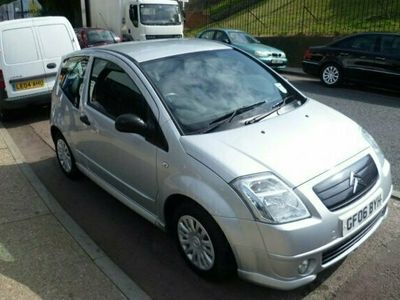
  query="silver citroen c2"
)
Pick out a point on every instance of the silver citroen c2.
point(204, 140)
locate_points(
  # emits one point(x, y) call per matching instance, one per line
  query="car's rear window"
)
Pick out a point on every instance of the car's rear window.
point(19, 46)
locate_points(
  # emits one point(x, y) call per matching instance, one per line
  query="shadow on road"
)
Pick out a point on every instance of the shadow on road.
point(352, 92)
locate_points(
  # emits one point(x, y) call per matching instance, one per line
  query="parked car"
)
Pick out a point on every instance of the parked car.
point(31, 51)
point(248, 174)
point(92, 37)
point(372, 58)
point(271, 56)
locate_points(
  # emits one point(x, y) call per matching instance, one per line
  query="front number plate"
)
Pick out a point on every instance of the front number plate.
point(359, 215)
point(28, 85)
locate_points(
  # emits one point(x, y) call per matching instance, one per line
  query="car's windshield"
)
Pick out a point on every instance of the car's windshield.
point(241, 38)
point(202, 87)
point(100, 36)
point(159, 14)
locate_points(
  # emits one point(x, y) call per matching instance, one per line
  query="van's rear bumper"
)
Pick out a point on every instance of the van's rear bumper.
point(20, 102)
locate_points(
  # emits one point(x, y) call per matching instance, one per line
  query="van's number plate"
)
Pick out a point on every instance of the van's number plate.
point(28, 85)
point(360, 214)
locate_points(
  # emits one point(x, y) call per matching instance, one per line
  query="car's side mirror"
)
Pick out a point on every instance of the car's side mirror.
point(226, 41)
point(131, 123)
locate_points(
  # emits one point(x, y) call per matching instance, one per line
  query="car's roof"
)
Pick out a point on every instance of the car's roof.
point(226, 30)
point(150, 50)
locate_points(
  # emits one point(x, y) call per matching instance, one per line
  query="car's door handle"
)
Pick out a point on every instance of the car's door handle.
point(380, 58)
point(84, 119)
point(51, 66)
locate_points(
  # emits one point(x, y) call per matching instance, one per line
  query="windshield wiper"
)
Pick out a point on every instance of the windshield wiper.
point(227, 118)
point(275, 108)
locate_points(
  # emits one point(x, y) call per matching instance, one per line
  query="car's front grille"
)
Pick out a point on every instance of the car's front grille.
point(334, 252)
point(348, 185)
point(166, 36)
point(276, 54)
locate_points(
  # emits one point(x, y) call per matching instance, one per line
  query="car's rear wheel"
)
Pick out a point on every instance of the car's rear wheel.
point(331, 75)
point(202, 243)
point(64, 156)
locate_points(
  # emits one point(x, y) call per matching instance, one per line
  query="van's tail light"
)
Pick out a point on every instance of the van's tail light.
point(308, 54)
point(2, 83)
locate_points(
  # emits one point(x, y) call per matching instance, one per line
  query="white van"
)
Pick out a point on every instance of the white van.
point(31, 51)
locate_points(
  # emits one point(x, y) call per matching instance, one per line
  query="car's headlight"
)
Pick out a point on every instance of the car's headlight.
point(270, 199)
point(283, 54)
point(262, 53)
point(374, 146)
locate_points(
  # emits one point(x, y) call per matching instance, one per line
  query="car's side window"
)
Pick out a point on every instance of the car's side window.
point(208, 35)
point(71, 78)
point(360, 43)
point(113, 93)
point(390, 45)
point(221, 36)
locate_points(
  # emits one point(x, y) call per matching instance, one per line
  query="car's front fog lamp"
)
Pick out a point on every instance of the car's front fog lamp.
point(270, 199)
point(303, 267)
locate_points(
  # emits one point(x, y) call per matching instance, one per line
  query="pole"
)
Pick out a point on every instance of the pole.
point(22, 9)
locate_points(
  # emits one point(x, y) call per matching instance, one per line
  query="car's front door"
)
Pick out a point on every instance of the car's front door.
point(124, 161)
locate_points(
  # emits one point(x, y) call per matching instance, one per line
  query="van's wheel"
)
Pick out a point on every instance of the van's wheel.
point(331, 75)
point(202, 243)
point(64, 157)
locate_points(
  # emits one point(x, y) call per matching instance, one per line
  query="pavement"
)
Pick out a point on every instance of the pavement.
point(43, 253)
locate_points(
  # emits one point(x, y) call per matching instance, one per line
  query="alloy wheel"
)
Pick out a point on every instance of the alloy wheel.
point(330, 75)
point(196, 242)
point(64, 156)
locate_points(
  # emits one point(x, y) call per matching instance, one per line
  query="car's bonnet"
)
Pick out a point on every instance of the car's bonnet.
point(257, 47)
point(296, 146)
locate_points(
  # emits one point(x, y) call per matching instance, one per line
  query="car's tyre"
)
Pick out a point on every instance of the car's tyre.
point(202, 243)
point(64, 157)
point(331, 75)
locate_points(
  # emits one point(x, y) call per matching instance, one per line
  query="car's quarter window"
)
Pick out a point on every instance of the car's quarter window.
point(113, 93)
point(71, 78)
point(201, 87)
point(208, 35)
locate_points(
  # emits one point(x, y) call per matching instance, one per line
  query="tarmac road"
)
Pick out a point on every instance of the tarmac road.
point(148, 255)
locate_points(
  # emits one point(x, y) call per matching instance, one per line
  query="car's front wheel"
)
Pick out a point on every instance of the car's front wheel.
point(331, 75)
point(64, 156)
point(202, 243)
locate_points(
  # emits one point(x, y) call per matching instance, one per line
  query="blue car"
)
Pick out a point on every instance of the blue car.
point(273, 57)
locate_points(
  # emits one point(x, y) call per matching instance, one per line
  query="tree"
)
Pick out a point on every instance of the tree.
point(34, 8)
point(71, 9)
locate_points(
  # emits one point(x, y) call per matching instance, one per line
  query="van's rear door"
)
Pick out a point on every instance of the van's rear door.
point(22, 66)
point(56, 39)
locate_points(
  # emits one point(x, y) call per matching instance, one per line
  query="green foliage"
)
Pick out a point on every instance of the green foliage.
point(310, 17)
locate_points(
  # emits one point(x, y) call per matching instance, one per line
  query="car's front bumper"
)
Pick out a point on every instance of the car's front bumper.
point(274, 62)
point(270, 255)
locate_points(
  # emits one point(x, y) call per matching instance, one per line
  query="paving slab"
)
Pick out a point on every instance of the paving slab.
point(18, 199)
point(38, 255)
point(2, 144)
